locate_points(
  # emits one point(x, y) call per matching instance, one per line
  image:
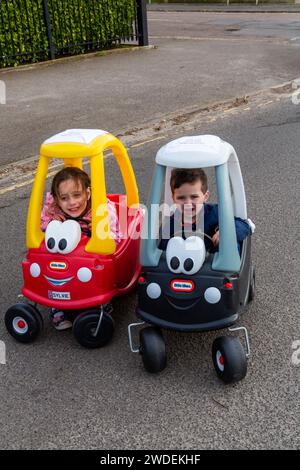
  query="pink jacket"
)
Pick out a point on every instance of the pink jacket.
point(51, 211)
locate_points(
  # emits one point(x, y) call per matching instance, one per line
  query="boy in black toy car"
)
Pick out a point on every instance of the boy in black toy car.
point(190, 194)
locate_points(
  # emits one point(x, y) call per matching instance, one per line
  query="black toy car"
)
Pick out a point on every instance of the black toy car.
point(187, 288)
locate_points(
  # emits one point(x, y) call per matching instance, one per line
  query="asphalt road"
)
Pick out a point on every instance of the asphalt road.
point(201, 58)
point(230, 25)
point(55, 394)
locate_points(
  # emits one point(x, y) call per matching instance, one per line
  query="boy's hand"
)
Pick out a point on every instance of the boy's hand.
point(216, 238)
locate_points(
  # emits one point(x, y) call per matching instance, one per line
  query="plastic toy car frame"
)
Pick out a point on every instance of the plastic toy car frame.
point(209, 293)
point(81, 274)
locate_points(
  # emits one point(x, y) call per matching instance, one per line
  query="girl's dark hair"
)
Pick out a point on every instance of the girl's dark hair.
point(74, 173)
point(180, 176)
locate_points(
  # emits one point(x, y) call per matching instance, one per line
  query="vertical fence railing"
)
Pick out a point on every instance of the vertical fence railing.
point(35, 30)
point(142, 23)
point(48, 30)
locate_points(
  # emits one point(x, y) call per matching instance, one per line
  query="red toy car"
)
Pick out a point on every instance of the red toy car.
point(83, 273)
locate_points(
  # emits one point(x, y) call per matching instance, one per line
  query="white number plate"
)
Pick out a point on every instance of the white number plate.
point(59, 295)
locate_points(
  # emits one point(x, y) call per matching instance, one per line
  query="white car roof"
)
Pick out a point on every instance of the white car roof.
point(78, 136)
point(194, 152)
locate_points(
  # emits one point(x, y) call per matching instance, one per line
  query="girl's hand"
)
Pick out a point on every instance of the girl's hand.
point(216, 238)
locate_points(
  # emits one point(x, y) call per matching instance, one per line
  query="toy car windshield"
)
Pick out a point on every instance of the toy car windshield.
point(200, 152)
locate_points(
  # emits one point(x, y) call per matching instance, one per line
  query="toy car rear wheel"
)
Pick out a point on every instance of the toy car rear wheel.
point(85, 327)
point(153, 349)
point(24, 322)
point(251, 294)
point(229, 359)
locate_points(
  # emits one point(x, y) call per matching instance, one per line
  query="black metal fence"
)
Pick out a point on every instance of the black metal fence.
point(36, 30)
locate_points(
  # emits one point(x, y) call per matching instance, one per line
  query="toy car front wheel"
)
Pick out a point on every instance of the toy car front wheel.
point(85, 329)
point(153, 349)
point(229, 359)
point(24, 322)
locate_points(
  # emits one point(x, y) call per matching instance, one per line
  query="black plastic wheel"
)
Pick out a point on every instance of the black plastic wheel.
point(85, 327)
point(24, 322)
point(153, 349)
point(251, 294)
point(229, 359)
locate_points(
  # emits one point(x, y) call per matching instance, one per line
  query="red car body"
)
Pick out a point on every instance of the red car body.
point(58, 284)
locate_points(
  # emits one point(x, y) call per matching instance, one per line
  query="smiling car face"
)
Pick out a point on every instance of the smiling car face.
point(71, 280)
point(58, 282)
point(183, 257)
point(60, 269)
point(63, 238)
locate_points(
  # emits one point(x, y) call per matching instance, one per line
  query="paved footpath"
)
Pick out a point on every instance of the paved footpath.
point(222, 7)
point(197, 60)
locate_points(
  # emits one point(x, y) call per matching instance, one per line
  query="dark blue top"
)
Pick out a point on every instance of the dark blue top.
point(211, 225)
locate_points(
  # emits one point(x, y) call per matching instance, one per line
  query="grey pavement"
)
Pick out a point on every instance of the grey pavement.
point(57, 395)
point(243, 27)
point(199, 60)
point(224, 8)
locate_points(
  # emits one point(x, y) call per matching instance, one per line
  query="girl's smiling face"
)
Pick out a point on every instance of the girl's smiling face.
point(72, 198)
point(189, 199)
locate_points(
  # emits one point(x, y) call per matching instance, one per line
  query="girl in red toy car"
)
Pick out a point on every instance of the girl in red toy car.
point(70, 199)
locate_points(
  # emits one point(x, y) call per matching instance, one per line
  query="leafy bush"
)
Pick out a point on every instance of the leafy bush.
point(77, 26)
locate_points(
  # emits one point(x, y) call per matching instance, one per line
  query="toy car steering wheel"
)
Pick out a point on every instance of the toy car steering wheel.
point(192, 234)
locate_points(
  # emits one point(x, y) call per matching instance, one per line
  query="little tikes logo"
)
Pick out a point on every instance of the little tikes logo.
point(179, 285)
point(58, 265)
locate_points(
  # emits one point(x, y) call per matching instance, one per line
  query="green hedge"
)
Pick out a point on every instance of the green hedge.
point(77, 26)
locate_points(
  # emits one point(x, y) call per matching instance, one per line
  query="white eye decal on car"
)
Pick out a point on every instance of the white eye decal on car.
point(195, 250)
point(175, 253)
point(62, 237)
point(52, 236)
point(185, 256)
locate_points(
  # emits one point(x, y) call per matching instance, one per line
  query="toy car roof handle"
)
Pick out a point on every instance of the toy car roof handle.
point(196, 234)
point(72, 146)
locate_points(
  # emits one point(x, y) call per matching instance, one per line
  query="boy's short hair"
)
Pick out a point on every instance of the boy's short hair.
point(180, 176)
point(73, 173)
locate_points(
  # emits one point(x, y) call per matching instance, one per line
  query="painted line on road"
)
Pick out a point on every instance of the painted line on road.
point(20, 185)
point(147, 141)
point(262, 105)
point(231, 110)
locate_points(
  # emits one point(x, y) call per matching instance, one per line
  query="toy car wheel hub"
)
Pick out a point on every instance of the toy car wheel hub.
point(220, 361)
point(20, 325)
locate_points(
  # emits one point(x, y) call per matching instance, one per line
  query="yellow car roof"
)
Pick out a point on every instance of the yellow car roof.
point(76, 143)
